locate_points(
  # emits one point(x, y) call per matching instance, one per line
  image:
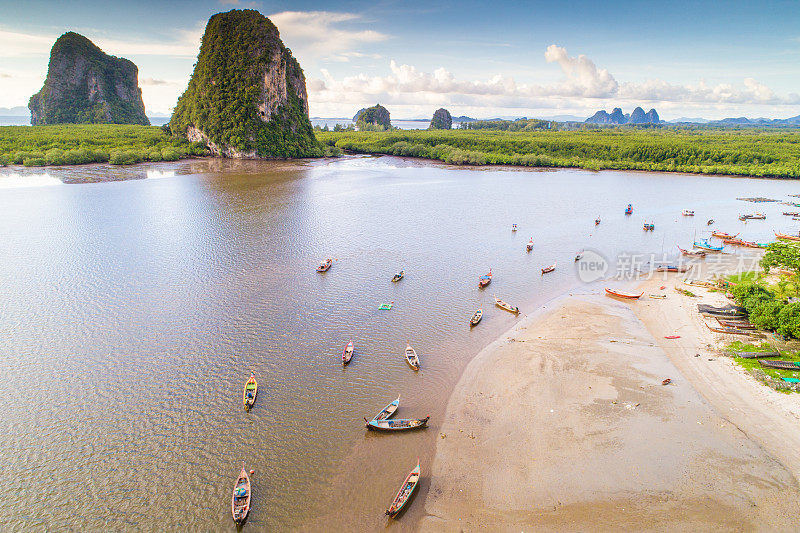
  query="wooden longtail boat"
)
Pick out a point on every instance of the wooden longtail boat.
point(756, 355)
point(728, 331)
point(710, 221)
point(791, 213)
point(411, 357)
point(629, 210)
point(397, 425)
point(658, 296)
point(648, 227)
point(597, 222)
point(347, 353)
point(513, 227)
point(732, 241)
point(666, 381)
point(785, 237)
point(579, 257)
point(386, 307)
point(529, 246)
point(250, 392)
point(672, 268)
point(754, 216)
point(727, 310)
point(741, 324)
point(325, 265)
point(240, 502)
point(405, 492)
point(692, 253)
point(626, 295)
point(506, 306)
point(484, 280)
point(476, 317)
point(552, 267)
point(782, 365)
point(687, 213)
point(397, 277)
point(723, 235)
point(389, 410)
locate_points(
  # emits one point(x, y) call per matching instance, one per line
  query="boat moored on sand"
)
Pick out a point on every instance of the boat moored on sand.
point(397, 425)
point(626, 295)
point(505, 306)
point(406, 490)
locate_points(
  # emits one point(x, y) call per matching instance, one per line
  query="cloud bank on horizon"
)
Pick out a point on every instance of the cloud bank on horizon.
point(352, 60)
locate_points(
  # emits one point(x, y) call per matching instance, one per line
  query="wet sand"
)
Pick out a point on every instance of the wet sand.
point(563, 424)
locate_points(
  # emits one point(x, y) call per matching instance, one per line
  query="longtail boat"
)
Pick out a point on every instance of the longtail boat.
point(734, 323)
point(728, 331)
point(529, 246)
point(513, 227)
point(484, 280)
point(783, 365)
point(672, 268)
point(506, 306)
point(785, 237)
point(658, 296)
point(397, 425)
point(791, 213)
point(240, 502)
point(648, 227)
point(705, 245)
point(732, 241)
point(397, 277)
point(411, 357)
point(687, 213)
point(597, 222)
point(754, 216)
point(386, 307)
point(692, 253)
point(476, 317)
point(347, 353)
point(710, 221)
point(579, 256)
point(626, 295)
point(723, 235)
point(405, 492)
point(728, 310)
point(629, 210)
point(250, 392)
point(756, 355)
point(389, 410)
point(552, 267)
point(752, 244)
point(325, 265)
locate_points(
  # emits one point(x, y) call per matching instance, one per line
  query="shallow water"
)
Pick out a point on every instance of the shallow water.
point(132, 313)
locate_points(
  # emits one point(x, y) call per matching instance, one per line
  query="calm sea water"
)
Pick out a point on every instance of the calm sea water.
point(132, 313)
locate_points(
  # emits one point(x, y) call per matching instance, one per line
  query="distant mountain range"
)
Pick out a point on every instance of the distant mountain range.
point(616, 117)
point(19, 111)
point(743, 121)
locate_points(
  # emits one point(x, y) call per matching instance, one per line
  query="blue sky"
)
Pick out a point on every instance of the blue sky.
point(484, 59)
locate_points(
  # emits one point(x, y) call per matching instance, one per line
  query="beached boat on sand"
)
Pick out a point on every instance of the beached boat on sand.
point(476, 317)
point(388, 411)
point(783, 365)
point(626, 295)
point(506, 306)
point(692, 253)
point(397, 425)
point(728, 331)
point(240, 502)
point(250, 392)
point(785, 237)
point(405, 492)
point(411, 357)
point(672, 268)
point(723, 235)
point(347, 353)
point(705, 245)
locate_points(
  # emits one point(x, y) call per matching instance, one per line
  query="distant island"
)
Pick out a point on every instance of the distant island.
point(86, 86)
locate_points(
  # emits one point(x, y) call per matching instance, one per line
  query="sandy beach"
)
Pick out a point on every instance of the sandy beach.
point(563, 424)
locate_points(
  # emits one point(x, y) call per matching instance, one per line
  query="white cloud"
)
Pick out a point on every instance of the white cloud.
point(323, 34)
point(583, 86)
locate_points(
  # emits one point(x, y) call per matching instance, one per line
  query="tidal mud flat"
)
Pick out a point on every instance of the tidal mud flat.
point(564, 424)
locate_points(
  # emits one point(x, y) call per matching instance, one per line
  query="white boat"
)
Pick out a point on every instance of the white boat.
point(688, 213)
point(529, 246)
point(411, 357)
point(503, 305)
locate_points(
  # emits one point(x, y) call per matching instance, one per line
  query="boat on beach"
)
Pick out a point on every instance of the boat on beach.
point(405, 492)
point(672, 268)
point(782, 365)
point(728, 330)
point(723, 235)
point(347, 353)
point(240, 502)
point(411, 357)
point(250, 392)
point(506, 306)
point(325, 265)
point(658, 296)
point(550, 268)
point(626, 295)
point(397, 277)
point(388, 411)
point(692, 253)
point(687, 213)
point(397, 425)
point(728, 323)
point(476, 317)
